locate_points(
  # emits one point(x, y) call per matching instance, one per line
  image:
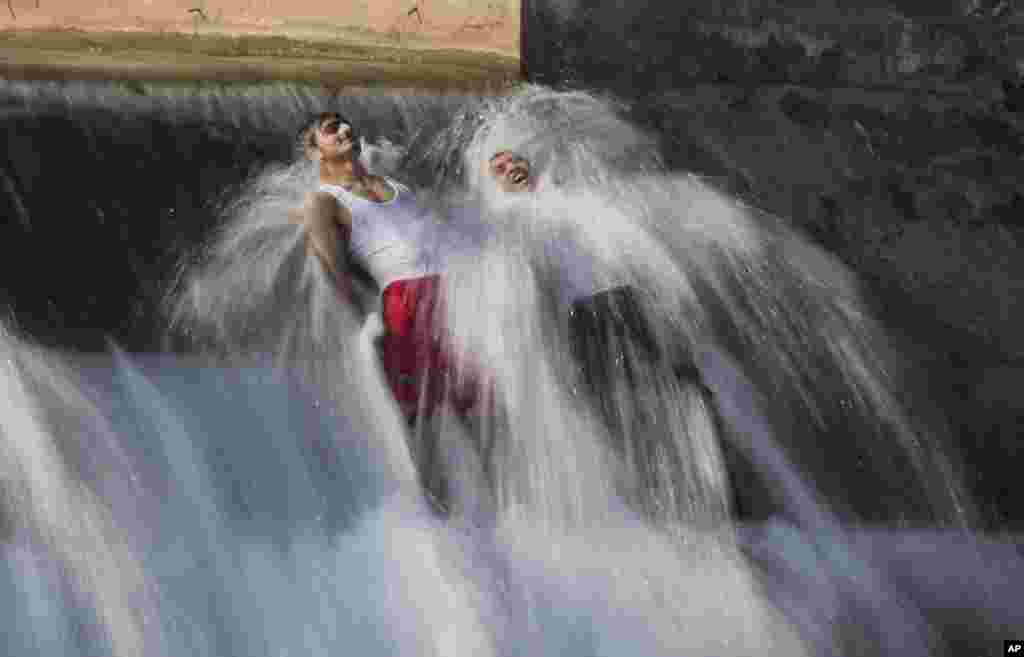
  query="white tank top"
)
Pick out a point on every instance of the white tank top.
point(399, 239)
point(394, 239)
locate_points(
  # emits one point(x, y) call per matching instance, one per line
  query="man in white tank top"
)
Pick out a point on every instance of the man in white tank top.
point(376, 222)
point(332, 144)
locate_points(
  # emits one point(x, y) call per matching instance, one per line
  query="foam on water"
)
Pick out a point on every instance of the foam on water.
point(274, 527)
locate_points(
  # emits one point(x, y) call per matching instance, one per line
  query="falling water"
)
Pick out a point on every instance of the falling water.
point(254, 491)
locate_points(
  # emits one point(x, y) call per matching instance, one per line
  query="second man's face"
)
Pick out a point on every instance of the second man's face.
point(510, 171)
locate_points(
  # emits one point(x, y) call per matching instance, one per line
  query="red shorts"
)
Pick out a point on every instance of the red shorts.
point(417, 356)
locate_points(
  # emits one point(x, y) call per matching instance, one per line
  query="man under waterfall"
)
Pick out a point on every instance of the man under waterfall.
point(787, 355)
point(375, 222)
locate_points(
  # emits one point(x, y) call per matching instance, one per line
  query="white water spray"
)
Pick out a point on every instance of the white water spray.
point(277, 501)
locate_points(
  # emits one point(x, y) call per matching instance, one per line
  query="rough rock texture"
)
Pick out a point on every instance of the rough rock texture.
point(889, 131)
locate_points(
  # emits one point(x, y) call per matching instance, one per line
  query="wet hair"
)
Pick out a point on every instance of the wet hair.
point(569, 138)
point(305, 138)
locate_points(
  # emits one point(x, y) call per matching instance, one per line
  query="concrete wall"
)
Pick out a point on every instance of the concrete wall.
point(480, 23)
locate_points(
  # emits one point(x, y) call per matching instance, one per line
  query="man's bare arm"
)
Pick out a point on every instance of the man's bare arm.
point(328, 226)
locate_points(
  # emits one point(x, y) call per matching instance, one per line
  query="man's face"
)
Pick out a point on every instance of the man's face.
point(510, 171)
point(336, 139)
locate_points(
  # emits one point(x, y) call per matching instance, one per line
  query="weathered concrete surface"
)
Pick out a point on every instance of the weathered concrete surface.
point(475, 24)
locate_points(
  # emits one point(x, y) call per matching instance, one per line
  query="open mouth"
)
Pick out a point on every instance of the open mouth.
point(518, 176)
